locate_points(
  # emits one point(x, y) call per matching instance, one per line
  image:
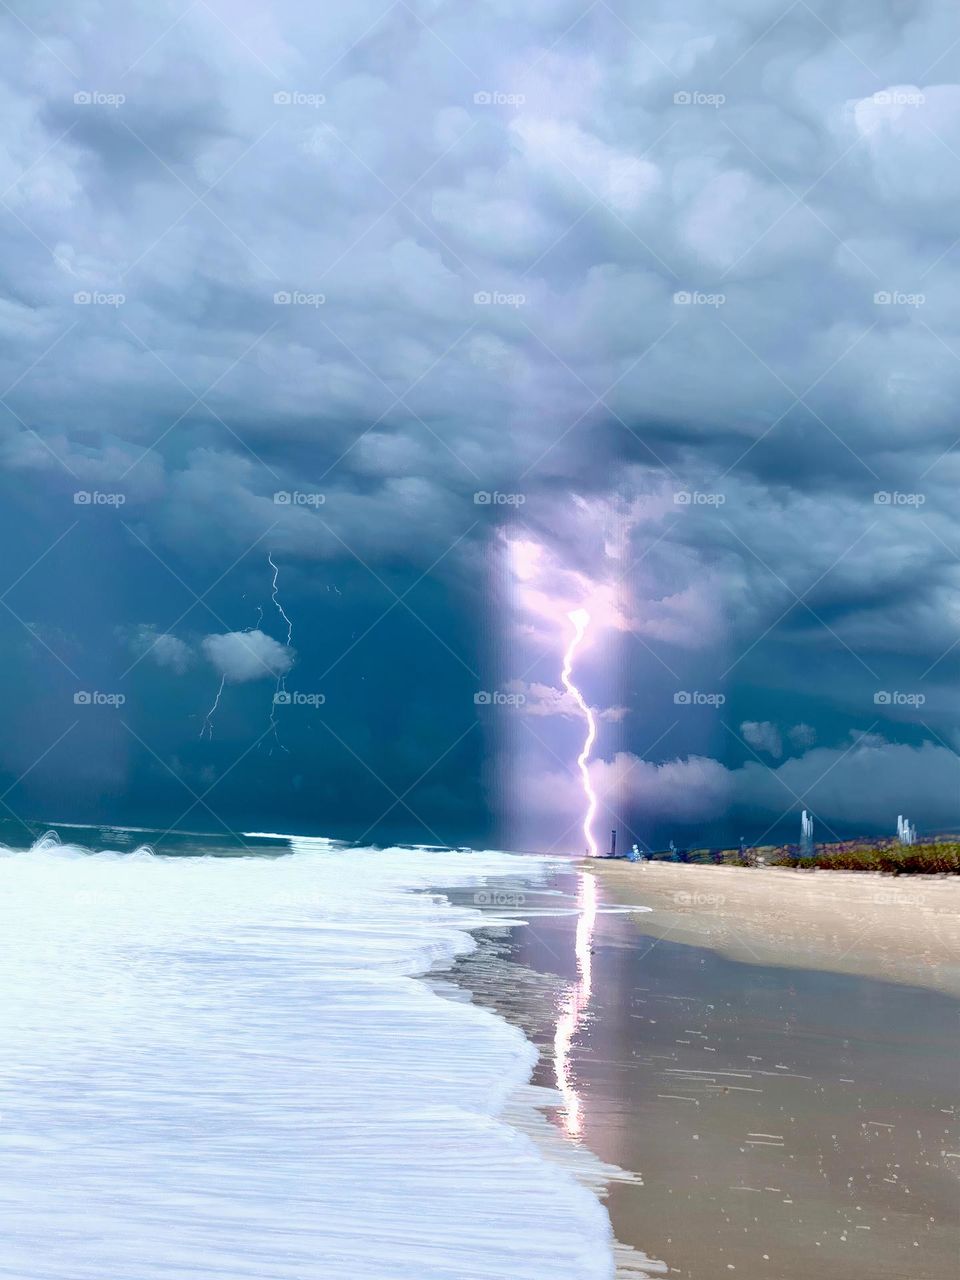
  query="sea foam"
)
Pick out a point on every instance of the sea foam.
point(226, 1067)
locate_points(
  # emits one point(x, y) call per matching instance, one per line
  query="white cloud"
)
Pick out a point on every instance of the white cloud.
point(545, 700)
point(247, 655)
point(574, 158)
point(861, 785)
point(164, 649)
point(802, 735)
point(690, 790)
point(763, 735)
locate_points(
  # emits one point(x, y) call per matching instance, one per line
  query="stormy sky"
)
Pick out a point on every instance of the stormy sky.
point(346, 347)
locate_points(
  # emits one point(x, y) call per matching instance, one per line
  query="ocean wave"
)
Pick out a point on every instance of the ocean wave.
point(226, 1068)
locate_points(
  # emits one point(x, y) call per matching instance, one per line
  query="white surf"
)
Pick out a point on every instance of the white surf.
point(226, 1067)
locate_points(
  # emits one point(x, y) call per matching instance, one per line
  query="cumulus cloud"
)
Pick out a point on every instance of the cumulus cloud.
point(802, 735)
point(162, 648)
point(544, 700)
point(241, 656)
point(861, 785)
point(764, 735)
point(690, 790)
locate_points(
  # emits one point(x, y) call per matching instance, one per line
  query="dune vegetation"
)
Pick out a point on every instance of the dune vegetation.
point(939, 856)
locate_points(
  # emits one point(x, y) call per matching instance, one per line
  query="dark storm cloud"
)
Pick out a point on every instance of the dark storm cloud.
point(307, 283)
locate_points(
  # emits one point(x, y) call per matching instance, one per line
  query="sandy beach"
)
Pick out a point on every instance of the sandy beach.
point(902, 929)
point(773, 1055)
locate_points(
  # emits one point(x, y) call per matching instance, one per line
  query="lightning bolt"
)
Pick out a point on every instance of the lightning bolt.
point(207, 726)
point(273, 597)
point(281, 679)
point(581, 620)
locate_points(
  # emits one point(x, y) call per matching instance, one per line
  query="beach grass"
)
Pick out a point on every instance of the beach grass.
point(930, 857)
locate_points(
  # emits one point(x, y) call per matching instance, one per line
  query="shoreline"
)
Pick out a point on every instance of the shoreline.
point(777, 1117)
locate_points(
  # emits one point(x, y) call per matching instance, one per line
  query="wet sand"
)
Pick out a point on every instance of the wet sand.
point(787, 1121)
